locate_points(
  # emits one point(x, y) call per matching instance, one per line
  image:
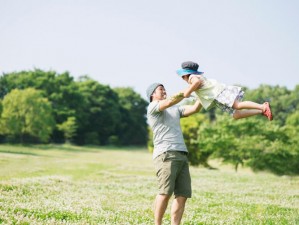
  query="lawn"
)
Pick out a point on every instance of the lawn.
point(62, 184)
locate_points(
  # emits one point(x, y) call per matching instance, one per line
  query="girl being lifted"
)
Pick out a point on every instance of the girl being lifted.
point(212, 93)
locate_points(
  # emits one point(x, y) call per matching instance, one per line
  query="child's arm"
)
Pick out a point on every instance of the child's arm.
point(172, 100)
point(195, 83)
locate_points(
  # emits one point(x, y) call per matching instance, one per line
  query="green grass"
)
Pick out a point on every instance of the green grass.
point(61, 184)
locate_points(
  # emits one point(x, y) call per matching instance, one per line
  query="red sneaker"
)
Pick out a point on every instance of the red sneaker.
point(267, 113)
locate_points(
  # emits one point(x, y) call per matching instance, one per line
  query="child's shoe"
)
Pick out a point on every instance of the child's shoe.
point(267, 112)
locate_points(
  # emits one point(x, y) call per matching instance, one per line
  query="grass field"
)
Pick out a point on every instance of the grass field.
point(84, 185)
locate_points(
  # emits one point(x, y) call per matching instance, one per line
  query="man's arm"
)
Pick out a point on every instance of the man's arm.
point(166, 103)
point(191, 109)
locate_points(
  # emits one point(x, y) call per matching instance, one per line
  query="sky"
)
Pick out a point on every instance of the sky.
point(134, 43)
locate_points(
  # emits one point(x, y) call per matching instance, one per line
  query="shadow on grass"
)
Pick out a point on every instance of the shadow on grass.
point(19, 153)
point(85, 148)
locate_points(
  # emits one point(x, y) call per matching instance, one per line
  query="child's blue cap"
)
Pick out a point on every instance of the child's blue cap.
point(182, 72)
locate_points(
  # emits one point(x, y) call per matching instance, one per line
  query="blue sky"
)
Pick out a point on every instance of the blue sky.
point(134, 43)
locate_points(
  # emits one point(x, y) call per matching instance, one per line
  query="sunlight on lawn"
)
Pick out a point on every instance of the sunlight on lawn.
point(89, 185)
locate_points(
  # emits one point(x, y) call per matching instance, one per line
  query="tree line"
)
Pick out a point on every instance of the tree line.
point(44, 106)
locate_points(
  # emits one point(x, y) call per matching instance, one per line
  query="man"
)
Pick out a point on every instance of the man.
point(170, 152)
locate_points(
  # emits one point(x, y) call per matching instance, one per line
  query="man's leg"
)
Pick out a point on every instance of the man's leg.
point(160, 207)
point(177, 210)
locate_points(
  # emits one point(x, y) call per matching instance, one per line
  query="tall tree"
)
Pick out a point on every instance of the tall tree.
point(132, 129)
point(60, 89)
point(27, 113)
point(101, 105)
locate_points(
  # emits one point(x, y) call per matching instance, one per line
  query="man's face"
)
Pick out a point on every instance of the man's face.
point(159, 93)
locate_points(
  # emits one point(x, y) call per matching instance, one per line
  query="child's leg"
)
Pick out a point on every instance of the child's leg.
point(252, 109)
point(248, 105)
point(239, 114)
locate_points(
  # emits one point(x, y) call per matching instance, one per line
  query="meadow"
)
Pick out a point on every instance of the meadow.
point(64, 184)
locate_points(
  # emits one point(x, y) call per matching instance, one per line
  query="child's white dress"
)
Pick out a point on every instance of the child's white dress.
point(212, 93)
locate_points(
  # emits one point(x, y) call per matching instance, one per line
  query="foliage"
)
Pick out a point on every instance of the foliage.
point(1, 108)
point(92, 138)
point(27, 112)
point(150, 142)
point(101, 105)
point(293, 119)
point(60, 89)
point(100, 112)
point(1, 126)
point(283, 101)
point(249, 141)
point(132, 129)
point(69, 128)
point(190, 131)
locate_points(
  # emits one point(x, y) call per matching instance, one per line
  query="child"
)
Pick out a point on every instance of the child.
point(212, 93)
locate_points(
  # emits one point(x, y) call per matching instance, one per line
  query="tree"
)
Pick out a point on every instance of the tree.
point(60, 89)
point(190, 127)
point(1, 135)
point(213, 139)
point(150, 141)
point(250, 142)
point(103, 113)
point(69, 128)
point(27, 113)
point(132, 129)
point(281, 99)
point(1, 108)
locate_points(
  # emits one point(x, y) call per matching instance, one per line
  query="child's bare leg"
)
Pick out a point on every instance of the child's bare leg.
point(239, 114)
point(248, 105)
